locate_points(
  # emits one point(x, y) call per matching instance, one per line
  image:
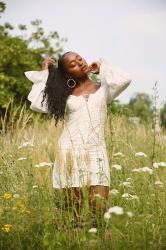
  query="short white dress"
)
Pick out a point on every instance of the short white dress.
point(82, 157)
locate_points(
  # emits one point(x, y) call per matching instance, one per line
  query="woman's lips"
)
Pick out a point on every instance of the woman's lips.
point(84, 67)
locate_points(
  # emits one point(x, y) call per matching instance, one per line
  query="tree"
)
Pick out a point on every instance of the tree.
point(163, 116)
point(21, 53)
point(141, 105)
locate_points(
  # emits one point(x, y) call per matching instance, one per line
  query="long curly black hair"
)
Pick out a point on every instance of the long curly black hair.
point(57, 90)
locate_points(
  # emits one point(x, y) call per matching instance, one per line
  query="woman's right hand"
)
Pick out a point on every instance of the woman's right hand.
point(47, 62)
point(95, 67)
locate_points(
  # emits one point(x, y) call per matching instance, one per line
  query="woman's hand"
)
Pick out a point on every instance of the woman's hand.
point(95, 67)
point(47, 62)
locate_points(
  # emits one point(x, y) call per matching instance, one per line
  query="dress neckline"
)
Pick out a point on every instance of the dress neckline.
point(86, 94)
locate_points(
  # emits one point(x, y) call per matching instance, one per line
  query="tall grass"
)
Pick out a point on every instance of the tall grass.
point(30, 217)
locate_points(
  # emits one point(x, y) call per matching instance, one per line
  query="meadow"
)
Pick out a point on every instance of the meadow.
point(29, 218)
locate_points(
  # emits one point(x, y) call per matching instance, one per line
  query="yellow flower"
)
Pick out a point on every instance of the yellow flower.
point(7, 228)
point(7, 196)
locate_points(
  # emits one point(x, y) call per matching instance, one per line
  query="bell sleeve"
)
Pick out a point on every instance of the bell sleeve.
point(35, 96)
point(113, 79)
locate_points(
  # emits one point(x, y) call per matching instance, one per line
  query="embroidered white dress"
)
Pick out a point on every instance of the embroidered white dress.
point(82, 157)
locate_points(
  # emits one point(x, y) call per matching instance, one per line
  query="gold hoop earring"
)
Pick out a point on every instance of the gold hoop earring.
point(70, 85)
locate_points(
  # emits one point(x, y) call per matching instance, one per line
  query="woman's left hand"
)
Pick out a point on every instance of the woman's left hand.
point(95, 67)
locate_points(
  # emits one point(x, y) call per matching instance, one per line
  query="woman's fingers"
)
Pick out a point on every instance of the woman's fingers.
point(47, 62)
point(95, 67)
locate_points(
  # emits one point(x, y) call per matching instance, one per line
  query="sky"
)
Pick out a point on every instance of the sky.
point(130, 34)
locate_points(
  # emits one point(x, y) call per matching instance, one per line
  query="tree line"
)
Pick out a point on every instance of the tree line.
point(22, 52)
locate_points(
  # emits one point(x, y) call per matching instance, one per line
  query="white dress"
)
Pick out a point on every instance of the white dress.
point(82, 156)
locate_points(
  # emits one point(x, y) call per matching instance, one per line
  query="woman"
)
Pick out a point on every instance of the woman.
point(71, 93)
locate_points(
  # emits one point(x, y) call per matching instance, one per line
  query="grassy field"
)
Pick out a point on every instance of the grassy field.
point(27, 202)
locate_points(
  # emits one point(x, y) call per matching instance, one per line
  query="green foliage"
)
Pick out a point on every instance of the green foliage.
point(116, 108)
point(163, 116)
point(21, 53)
point(141, 105)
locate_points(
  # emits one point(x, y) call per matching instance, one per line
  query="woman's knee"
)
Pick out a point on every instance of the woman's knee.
point(98, 197)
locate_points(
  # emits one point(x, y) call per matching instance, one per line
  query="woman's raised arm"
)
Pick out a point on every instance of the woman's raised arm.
point(113, 78)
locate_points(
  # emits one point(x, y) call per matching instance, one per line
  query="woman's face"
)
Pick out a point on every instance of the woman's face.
point(75, 65)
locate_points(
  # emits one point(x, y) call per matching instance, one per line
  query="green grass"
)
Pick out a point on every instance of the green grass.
point(33, 210)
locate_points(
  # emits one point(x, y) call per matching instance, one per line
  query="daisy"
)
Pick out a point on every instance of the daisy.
point(140, 154)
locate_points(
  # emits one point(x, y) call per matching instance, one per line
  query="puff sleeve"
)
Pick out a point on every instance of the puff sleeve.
point(35, 96)
point(113, 79)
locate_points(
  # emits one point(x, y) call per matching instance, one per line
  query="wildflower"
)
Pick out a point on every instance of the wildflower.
point(128, 196)
point(126, 184)
point(140, 154)
point(43, 164)
point(7, 228)
point(119, 154)
point(144, 169)
point(130, 214)
point(128, 179)
point(92, 230)
point(107, 216)
point(116, 210)
point(159, 164)
point(117, 167)
point(159, 183)
point(7, 196)
point(114, 191)
point(21, 158)
point(16, 196)
point(35, 186)
point(25, 144)
point(162, 164)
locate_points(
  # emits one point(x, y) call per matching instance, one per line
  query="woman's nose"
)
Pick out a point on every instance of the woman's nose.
point(80, 63)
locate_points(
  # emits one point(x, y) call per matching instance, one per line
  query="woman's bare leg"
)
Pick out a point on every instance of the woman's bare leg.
point(98, 201)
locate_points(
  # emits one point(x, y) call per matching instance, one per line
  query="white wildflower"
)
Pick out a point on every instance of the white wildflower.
point(159, 164)
point(117, 167)
point(92, 230)
point(130, 214)
point(113, 191)
point(116, 210)
point(21, 158)
point(156, 164)
point(144, 169)
point(159, 183)
point(125, 195)
point(140, 154)
point(128, 179)
point(128, 196)
point(119, 154)
point(25, 144)
point(43, 164)
point(107, 216)
point(16, 196)
point(162, 164)
point(126, 184)
point(35, 186)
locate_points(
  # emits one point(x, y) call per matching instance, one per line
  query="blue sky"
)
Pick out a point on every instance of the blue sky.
point(130, 34)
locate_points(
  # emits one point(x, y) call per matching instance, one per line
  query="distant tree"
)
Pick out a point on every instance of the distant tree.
point(141, 105)
point(118, 108)
point(163, 116)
